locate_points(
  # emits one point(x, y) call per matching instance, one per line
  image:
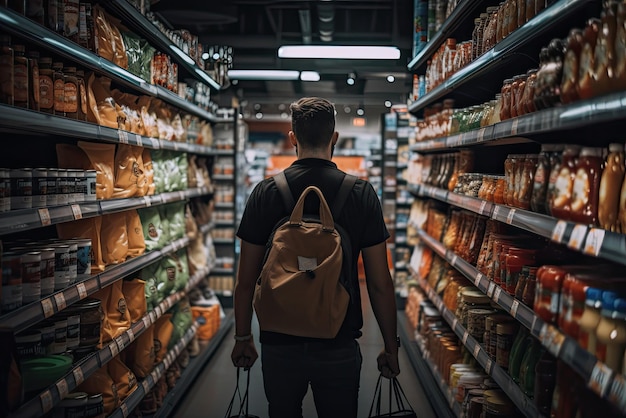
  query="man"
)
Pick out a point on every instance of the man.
point(289, 363)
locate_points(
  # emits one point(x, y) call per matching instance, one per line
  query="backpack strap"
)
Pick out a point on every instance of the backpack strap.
point(342, 195)
point(285, 192)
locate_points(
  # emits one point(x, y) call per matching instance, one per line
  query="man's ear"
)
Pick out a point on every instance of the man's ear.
point(292, 138)
point(335, 137)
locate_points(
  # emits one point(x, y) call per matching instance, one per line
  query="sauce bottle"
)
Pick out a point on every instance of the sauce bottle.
point(540, 180)
point(59, 88)
point(584, 200)
point(586, 68)
point(611, 332)
point(569, 92)
point(82, 95)
point(619, 75)
point(604, 54)
point(20, 77)
point(6, 70)
point(33, 80)
point(590, 319)
point(560, 205)
point(70, 92)
point(611, 181)
point(46, 85)
point(556, 158)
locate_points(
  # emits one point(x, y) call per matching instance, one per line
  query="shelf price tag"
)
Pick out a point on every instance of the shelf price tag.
point(481, 135)
point(114, 349)
point(122, 136)
point(617, 393)
point(59, 299)
point(483, 205)
point(496, 294)
point(44, 217)
point(514, 307)
point(465, 335)
point(146, 322)
point(454, 260)
point(131, 334)
point(120, 343)
point(477, 279)
point(600, 378)
point(76, 212)
point(577, 238)
point(488, 366)
point(147, 201)
point(558, 231)
point(496, 212)
point(594, 241)
point(124, 409)
point(78, 375)
point(82, 291)
point(490, 289)
point(46, 401)
point(455, 321)
point(552, 339)
point(48, 309)
point(510, 216)
point(476, 350)
point(139, 140)
point(62, 388)
point(514, 124)
point(146, 386)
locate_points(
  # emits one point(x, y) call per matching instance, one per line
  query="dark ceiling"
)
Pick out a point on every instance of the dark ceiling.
point(256, 28)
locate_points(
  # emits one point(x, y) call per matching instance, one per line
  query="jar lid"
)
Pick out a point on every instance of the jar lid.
point(474, 296)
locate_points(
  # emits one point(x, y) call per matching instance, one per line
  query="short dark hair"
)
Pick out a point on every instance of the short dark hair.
point(313, 121)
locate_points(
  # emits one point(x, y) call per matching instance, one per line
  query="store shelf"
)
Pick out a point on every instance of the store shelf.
point(437, 389)
point(594, 112)
point(27, 219)
point(506, 383)
point(48, 398)
point(540, 28)
point(195, 367)
point(587, 240)
point(142, 26)
point(601, 379)
point(223, 177)
point(30, 121)
point(143, 388)
point(22, 27)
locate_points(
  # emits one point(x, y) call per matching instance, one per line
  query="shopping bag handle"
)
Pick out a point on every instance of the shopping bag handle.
point(395, 392)
point(243, 401)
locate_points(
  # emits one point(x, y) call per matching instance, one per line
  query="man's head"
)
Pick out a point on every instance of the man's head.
point(313, 122)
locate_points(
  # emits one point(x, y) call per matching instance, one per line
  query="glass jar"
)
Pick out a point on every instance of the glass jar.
point(20, 77)
point(529, 91)
point(604, 54)
point(512, 17)
point(500, 22)
point(539, 6)
point(569, 93)
point(59, 88)
point(7, 57)
point(513, 96)
point(46, 85)
point(540, 180)
point(498, 196)
point(521, 13)
point(586, 186)
point(71, 92)
point(620, 49)
point(505, 109)
point(519, 108)
point(82, 95)
point(517, 258)
point(527, 180)
point(611, 180)
point(530, 9)
point(33, 80)
point(586, 67)
point(560, 205)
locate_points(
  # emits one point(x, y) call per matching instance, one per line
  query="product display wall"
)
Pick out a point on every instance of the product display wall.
point(517, 173)
point(109, 197)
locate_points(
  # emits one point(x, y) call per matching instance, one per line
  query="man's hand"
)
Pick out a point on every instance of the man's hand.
point(388, 364)
point(244, 354)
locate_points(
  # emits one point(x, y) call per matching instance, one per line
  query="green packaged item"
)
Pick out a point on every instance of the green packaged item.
point(40, 372)
point(149, 276)
point(182, 319)
point(152, 228)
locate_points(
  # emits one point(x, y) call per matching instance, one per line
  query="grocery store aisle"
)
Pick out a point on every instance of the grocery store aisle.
point(209, 395)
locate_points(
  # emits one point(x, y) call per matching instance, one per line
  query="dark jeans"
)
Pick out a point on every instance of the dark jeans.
point(333, 372)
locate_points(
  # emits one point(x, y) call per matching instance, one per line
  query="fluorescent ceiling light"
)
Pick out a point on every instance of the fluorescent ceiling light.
point(339, 52)
point(309, 76)
point(278, 75)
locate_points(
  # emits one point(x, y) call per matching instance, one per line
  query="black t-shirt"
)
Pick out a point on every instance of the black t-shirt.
point(361, 217)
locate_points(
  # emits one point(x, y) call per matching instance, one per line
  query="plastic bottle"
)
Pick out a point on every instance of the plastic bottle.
point(590, 319)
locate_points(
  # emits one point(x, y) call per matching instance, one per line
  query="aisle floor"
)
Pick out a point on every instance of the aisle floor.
point(210, 394)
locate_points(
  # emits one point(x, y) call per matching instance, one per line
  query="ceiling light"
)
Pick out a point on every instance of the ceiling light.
point(351, 79)
point(259, 115)
point(360, 112)
point(387, 103)
point(310, 76)
point(391, 78)
point(205, 56)
point(339, 52)
point(263, 74)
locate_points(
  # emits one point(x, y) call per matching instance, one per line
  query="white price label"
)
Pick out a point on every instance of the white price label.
point(559, 231)
point(139, 140)
point(62, 388)
point(82, 291)
point(147, 201)
point(146, 386)
point(578, 237)
point(158, 311)
point(115, 350)
point(481, 135)
point(476, 350)
point(490, 289)
point(59, 299)
point(120, 343)
point(455, 321)
point(153, 317)
point(483, 205)
point(146, 322)
point(477, 279)
point(465, 335)
point(46, 401)
point(617, 394)
point(131, 334)
point(122, 136)
point(594, 241)
point(78, 375)
point(454, 260)
point(514, 307)
point(510, 216)
point(124, 409)
point(77, 212)
point(44, 217)
point(175, 146)
point(496, 294)
point(48, 309)
point(496, 212)
point(600, 378)
point(552, 339)
point(514, 126)
point(488, 366)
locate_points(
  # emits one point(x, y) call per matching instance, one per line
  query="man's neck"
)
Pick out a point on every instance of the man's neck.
point(323, 155)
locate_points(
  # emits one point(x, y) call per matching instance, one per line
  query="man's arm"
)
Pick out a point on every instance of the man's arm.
point(383, 300)
point(250, 264)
